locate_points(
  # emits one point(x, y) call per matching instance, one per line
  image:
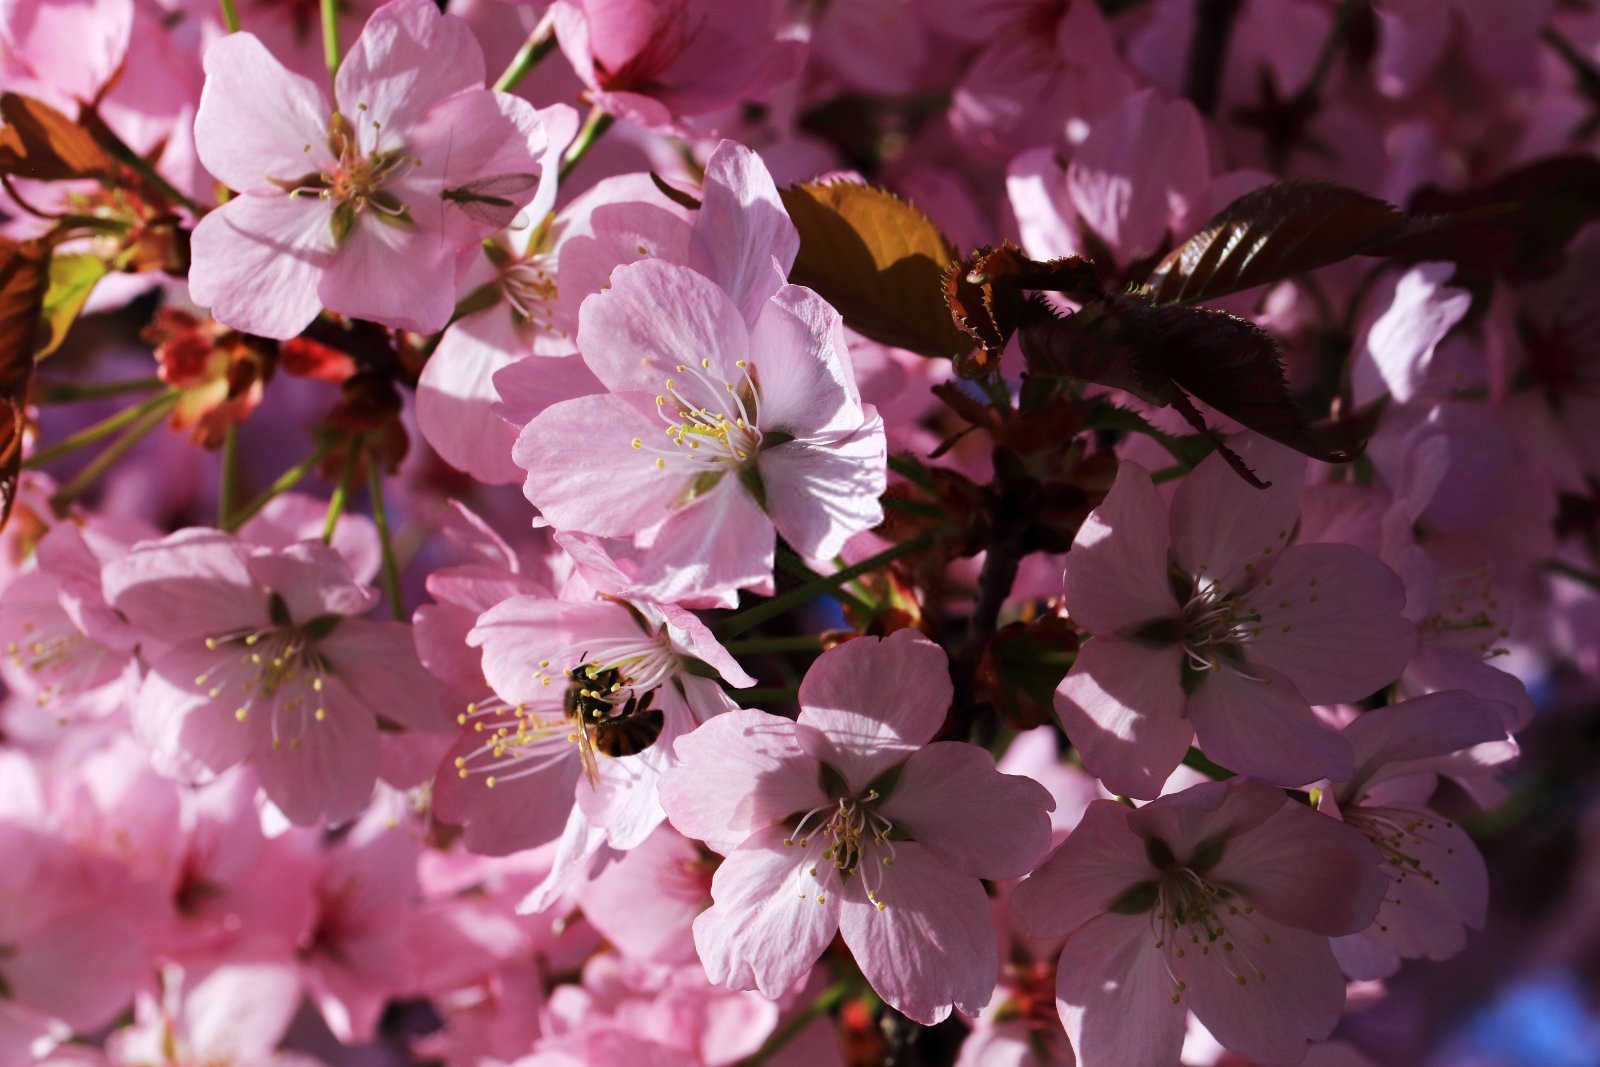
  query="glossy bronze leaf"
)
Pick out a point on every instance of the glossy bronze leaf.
point(1273, 233)
point(877, 259)
point(37, 141)
point(24, 277)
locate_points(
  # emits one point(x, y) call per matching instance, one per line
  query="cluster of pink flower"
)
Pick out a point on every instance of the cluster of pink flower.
point(1316, 536)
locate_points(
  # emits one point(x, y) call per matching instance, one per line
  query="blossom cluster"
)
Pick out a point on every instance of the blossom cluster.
point(962, 531)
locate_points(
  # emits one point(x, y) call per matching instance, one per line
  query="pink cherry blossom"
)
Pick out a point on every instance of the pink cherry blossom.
point(359, 205)
point(763, 427)
point(1437, 881)
point(261, 657)
point(804, 811)
point(1261, 629)
point(1218, 900)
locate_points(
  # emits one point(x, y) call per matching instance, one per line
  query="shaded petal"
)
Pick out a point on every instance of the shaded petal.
point(396, 274)
point(1305, 869)
point(1100, 859)
point(1330, 620)
point(737, 773)
point(1114, 995)
point(1262, 727)
point(1116, 574)
point(256, 262)
point(1206, 813)
point(1225, 529)
point(456, 396)
point(932, 943)
point(257, 120)
point(1122, 706)
point(520, 811)
point(823, 491)
point(326, 773)
point(873, 702)
point(378, 663)
point(1291, 990)
point(741, 228)
point(182, 725)
point(803, 365)
point(768, 924)
point(950, 798)
point(1416, 734)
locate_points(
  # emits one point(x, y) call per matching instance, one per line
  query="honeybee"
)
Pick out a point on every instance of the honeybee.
point(608, 723)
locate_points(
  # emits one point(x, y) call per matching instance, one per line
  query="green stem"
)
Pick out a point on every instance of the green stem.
point(100, 430)
point(380, 518)
point(71, 392)
point(826, 1001)
point(540, 43)
point(795, 567)
point(1196, 760)
point(598, 122)
point(752, 617)
point(230, 16)
point(228, 487)
point(286, 481)
point(757, 645)
point(330, 38)
point(1577, 574)
point(341, 489)
point(113, 452)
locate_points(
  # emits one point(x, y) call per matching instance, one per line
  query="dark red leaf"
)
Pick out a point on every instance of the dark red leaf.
point(40, 142)
point(24, 277)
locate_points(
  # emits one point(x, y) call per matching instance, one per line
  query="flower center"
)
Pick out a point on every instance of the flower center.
point(1397, 836)
point(713, 424)
point(854, 839)
point(276, 670)
point(605, 707)
point(356, 180)
point(1192, 915)
point(530, 289)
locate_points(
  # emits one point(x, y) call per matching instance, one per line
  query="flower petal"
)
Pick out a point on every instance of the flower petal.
point(1330, 620)
point(408, 58)
point(258, 121)
point(741, 228)
point(1123, 707)
point(1116, 574)
point(1225, 529)
point(932, 943)
point(1100, 859)
point(874, 701)
point(1262, 727)
point(823, 491)
point(256, 262)
point(1114, 995)
point(950, 797)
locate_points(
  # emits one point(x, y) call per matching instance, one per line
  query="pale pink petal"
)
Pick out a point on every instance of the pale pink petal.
point(822, 491)
point(737, 773)
point(1330, 620)
point(258, 121)
point(1140, 169)
point(326, 773)
point(768, 924)
point(294, 517)
point(528, 638)
point(1114, 995)
point(240, 1010)
point(584, 473)
point(1291, 991)
point(1099, 861)
point(1304, 869)
point(1192, 821)
point(519, 811)
point(656, 317)
point(477, 136)
point(186, 728)
point(874, 701)
point(393, 273)
point(1262, 727)
point(80, 966)
point(1035, 186)
point(950, 798)
point(1116, 575)
point(311, 579)
point(803, 368)
point(257, 260)
point(1226, 530)
point(931, 944)
point(1416, 732)
point(378, 663)
point(648, 898)
point(528, 386)
point(720, 542)
point(456, 396)
point(1395, 349)
point(699, 639)
point(1123, 707)
point(625, 224)
point(408, 58)
point(741, 228)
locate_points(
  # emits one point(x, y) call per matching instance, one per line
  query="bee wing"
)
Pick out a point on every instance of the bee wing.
point(591, 766)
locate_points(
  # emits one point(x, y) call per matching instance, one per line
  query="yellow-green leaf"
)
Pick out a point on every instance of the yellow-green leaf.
point(72, 279)
point(880, 261)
